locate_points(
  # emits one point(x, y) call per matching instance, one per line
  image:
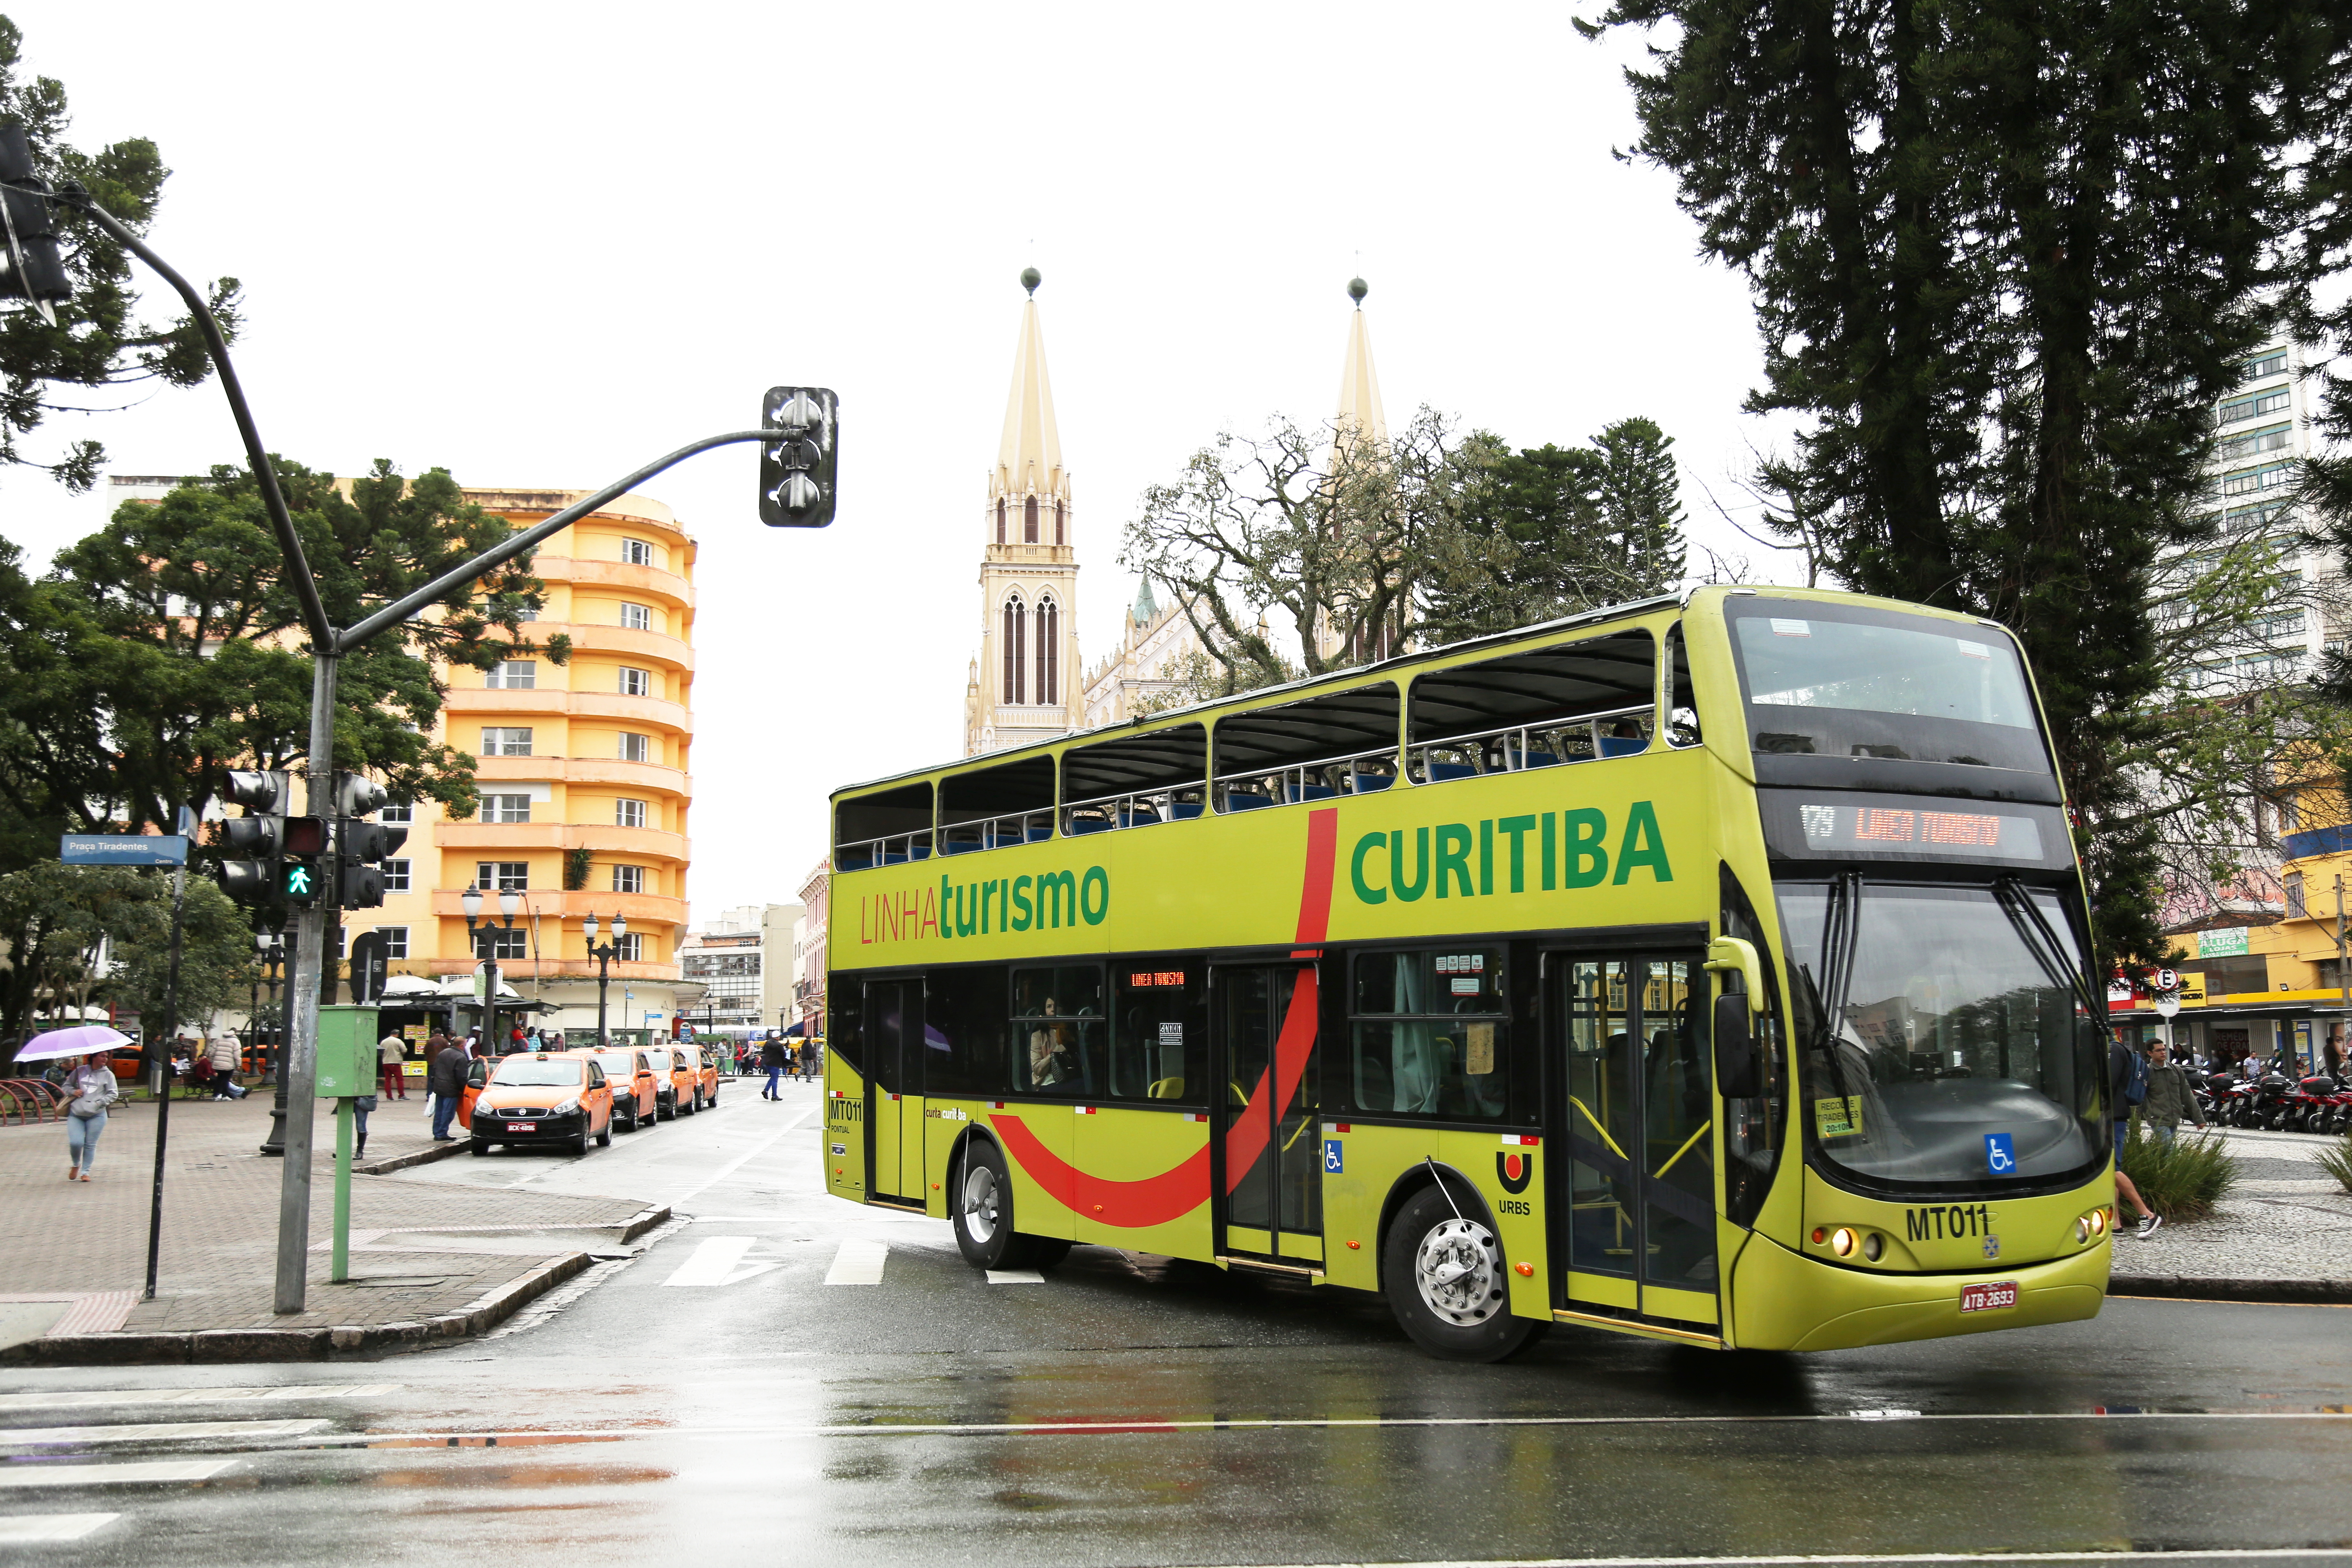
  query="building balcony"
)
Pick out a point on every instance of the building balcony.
point(646, 777)
point(657, 648)
point(515, 970)
point(641, 582)
point(643, 910)
point(653, 711)
point(489, 702)
point(646, 844)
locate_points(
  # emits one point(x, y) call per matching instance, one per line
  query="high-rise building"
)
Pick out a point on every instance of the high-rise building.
point(585, 774)
point(1023, 684)
point(744, 962)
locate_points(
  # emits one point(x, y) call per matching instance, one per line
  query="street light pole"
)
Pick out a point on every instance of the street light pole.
point(511, 905)
point(603, 956)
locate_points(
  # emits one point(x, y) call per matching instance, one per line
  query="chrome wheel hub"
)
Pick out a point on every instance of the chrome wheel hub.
point(980, 1204)
point(1459, 1269)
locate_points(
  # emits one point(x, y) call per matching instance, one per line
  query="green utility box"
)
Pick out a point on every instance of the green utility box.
point(347, 1051)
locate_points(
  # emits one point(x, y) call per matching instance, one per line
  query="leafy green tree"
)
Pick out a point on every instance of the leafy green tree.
point(216, 957)
point(1641, 505)
point(98, 343)
point(52, 921)
point(2004, 258)
point(181, 637)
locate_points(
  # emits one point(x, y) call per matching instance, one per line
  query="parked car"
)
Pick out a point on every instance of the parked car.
point(542, 1096)
point(637, 1088)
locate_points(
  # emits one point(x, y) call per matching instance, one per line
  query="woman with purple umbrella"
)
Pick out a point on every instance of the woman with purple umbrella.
point(91, 1089)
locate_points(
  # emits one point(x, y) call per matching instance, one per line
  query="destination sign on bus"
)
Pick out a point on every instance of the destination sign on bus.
point(1831, 825)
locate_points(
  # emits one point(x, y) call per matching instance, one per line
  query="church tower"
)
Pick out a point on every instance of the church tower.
point(1024, 684)
point(1359, 418)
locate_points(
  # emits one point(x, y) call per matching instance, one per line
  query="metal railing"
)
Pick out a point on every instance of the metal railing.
point(1136, 808)
point(1328, 778)
point(1549, 743)
point(891, 849)
point(997, 832)
point(26, 1101)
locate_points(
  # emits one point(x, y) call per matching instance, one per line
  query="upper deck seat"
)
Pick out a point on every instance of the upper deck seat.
point(1451, 771)
point(1373, 783)
point(1623, 745)
point(1186, 810)
point(1245, 800)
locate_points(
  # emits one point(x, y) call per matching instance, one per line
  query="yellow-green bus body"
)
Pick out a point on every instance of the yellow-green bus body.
point(1609, 877)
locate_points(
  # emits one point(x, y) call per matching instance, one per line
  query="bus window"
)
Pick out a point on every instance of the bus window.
point(1012, 803)
point(886, 828)
point(1682, 705)
point(1160, 1035)
point(1430, 1035)
point(964, 1031)
point(1539, 709)
point(1135, 781)
point(1342, 744)
point(1057, 1018)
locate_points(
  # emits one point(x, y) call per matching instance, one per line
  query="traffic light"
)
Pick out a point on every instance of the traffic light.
point(302, 861)
point(359, 880)
point(31, 268)
point(796, 475)
point(256, 840)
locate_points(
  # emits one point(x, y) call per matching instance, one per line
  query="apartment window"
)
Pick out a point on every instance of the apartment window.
point(505, 742)
point(636, 682)
point(515, 943)
point(2261, 403)
point(395, 938)
point(2269, 365)
point(395, 875)
point(632, 948)
point(636, 553)
point(628, 878)
point(514, 675)
point(502, 876)
point(505, 808)
point(629, 813)
point(2294, 895)
point(399, 812)
point(636, 748)
point(636, 617)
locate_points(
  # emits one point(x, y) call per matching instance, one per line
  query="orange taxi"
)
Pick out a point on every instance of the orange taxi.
point(683, 1079)
point(543, 1096)
point(637, 1087)
point(702, 1065)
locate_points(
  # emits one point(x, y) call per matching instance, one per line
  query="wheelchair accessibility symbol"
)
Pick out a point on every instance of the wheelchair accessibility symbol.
point(2000, 1159)
point(1331, 1156)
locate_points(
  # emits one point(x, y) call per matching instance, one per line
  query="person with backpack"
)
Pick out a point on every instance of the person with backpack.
point(2170, 1096)
point(91, 1091)
point(2127, 1086)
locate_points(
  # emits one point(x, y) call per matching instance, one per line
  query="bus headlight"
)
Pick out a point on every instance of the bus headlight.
point(1841, 1242)
point(1873, 1245)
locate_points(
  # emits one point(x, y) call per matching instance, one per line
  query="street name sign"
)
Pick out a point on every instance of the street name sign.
point(123, 849)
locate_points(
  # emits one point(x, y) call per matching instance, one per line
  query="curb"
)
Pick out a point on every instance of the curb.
point(217, 1345)
point(424, 1156)
point(644, 1221)
point(2313, 1292)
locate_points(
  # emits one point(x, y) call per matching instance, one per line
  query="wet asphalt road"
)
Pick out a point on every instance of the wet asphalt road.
point(716, 1399)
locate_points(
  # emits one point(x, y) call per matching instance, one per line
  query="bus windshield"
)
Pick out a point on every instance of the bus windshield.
point(1946, 1040)
point(1854, 681)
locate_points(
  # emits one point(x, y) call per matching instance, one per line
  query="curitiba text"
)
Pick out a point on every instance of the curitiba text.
point(1547, 852)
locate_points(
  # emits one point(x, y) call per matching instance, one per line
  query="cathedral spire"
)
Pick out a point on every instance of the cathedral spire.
point(1029, 458)
point(1360, 389)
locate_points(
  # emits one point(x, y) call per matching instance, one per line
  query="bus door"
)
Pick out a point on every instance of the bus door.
point(894, 1116)
point(1630, 1035)
point(1270, 1203)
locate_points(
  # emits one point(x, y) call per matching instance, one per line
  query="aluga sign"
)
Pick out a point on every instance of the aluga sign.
point(1709, 969)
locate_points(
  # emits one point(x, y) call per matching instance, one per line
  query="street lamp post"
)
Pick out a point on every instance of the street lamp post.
point(510, 905)
point(603, 956)
point(273, 956)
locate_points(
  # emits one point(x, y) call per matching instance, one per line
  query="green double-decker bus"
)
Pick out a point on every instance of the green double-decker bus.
point(1711, 968)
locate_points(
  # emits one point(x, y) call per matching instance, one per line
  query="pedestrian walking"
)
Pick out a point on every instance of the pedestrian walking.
point(771, 1056)
point(361, 1105)
point(2170, 1097)
point(2127, 1086)
point(92, 1091)
point(229, 1055)
point(393, 1051)
point(447, 1078)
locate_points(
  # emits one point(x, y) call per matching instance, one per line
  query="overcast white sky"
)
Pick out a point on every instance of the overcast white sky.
point(540, 245)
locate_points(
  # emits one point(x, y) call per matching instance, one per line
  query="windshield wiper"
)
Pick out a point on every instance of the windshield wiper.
point(2042, 942)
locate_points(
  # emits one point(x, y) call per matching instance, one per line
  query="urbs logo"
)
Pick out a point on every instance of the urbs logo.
point(1515, 1169)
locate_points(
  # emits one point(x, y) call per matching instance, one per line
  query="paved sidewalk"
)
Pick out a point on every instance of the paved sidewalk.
point(419, 1250)
point(2284, 1233)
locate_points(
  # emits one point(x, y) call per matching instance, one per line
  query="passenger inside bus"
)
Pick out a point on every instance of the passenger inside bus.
point(1052, 1057)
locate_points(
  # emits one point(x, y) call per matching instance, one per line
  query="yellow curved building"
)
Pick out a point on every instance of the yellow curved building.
point(585, 773)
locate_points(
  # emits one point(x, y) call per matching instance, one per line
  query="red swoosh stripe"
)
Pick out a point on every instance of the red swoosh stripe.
point(1181, 1188)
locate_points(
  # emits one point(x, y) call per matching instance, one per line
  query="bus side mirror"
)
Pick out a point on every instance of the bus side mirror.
point(1739, 1074)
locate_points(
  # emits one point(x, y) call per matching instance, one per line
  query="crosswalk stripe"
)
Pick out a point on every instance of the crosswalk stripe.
point(83, 1398)
point(1014, 1277)
point(141, 1472)
point(29, 1529)
point(858, 1263)
point(153, 1432)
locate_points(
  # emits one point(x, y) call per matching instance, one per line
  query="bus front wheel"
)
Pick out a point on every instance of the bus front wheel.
point(1443, 1274)
point(984, 1210)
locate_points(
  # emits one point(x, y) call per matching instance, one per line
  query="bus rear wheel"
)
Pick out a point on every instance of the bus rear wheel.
point(1443, 1274)
point(982, 1211)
